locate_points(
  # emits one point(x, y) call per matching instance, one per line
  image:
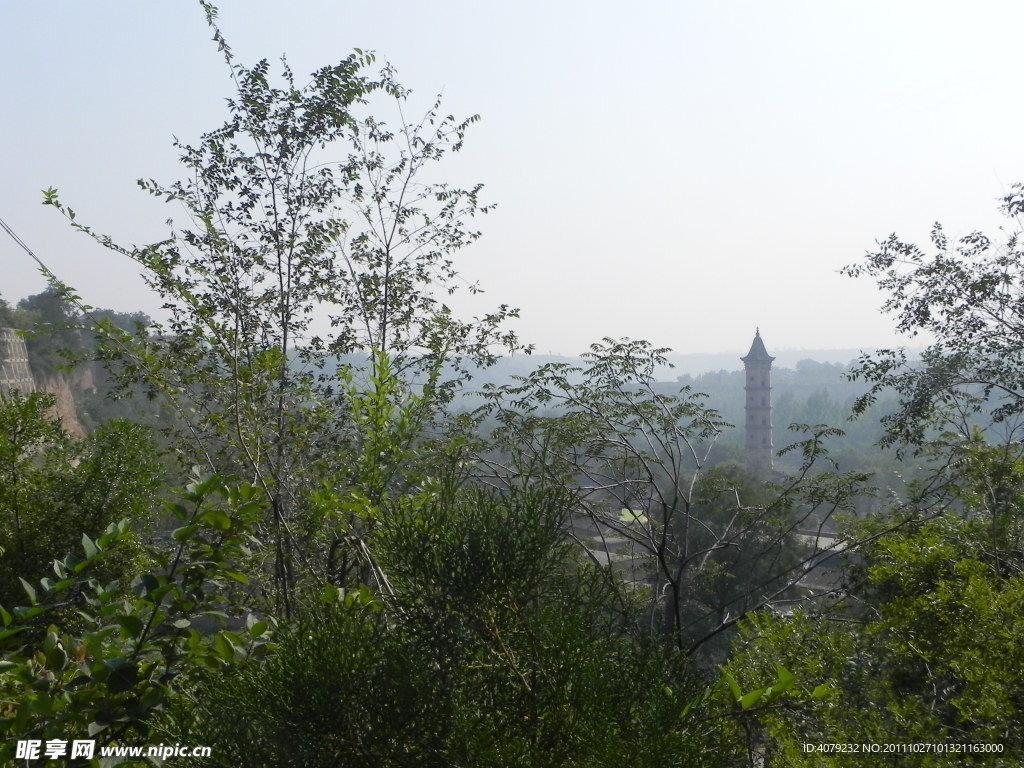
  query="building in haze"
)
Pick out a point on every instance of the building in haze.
point(758, 367)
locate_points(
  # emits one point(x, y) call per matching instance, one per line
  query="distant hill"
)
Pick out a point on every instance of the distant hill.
point(696, 364)
point(692, 364)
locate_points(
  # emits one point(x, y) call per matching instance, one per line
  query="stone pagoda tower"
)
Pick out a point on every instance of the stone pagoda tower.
point(758, 365)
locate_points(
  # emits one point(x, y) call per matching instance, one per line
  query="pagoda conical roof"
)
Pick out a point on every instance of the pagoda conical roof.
point(757, 353)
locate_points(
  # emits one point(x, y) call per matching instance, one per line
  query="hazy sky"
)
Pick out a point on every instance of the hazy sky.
point(676, 171)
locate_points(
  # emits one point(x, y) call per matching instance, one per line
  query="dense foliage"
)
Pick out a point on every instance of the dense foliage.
point(54, 488)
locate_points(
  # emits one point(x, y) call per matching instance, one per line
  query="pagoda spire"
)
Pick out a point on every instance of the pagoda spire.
point(757, 365)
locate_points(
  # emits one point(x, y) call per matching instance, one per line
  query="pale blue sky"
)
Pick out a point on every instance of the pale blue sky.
point(656, 169)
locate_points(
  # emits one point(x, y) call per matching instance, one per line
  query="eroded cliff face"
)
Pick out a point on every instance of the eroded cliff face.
point(59, 386)
point(15, 373)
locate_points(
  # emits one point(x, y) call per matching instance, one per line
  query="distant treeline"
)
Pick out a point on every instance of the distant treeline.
point(811, 393)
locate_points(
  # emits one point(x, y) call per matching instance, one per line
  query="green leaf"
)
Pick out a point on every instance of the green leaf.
point(822, 691)
point(60, 586)
point(110, 536)
point(330, 594)
point(77, 682)
point(131, 624)
point(180, 534)
point(90, 548)
point(144, 584)
point(95, 728)
point(29, 590)
point(152, 697)
point(56, 657)
point(217, 519)
point(42, 705)
point(224, 647)
point(750, 699)
point(178, 510)
point(24, 613)
point(241, 578)
point(8, 632)
point(737, 692)
point(123, 676)
point(786, 680)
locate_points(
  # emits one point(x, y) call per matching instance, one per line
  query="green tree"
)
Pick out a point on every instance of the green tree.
point(53, 488)
point(53, 334)
point(493, 646)
point(926, 651)
point(311, 234)
point(638, 461)
point(134, 648)
point(6, 315)
point(965, 295)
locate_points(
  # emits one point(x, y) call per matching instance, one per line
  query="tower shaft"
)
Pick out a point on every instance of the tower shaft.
point(758, 368)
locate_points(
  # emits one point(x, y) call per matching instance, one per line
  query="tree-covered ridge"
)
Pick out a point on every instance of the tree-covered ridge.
point(329, 559)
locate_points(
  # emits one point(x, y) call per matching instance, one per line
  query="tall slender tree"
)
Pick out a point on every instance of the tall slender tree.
point(311, 234)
